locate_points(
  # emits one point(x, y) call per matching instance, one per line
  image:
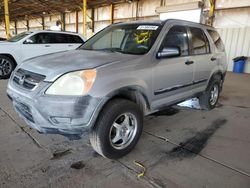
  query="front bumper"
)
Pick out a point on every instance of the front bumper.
point(68, 116)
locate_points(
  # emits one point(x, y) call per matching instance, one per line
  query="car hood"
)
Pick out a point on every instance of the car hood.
point(54, 65)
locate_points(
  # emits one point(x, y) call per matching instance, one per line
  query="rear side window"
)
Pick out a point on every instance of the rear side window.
point(177, 37)
point(199, 42)
point(217, 40)
point(74, 39)
point(56, 38)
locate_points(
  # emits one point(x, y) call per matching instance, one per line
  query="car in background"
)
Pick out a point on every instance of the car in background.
point(31, 44)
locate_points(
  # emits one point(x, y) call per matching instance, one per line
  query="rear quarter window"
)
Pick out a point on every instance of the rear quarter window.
point(217, 40)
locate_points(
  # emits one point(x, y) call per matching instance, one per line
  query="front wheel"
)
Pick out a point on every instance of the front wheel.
point(6, 67)
point(209, 98)
point(117, 129)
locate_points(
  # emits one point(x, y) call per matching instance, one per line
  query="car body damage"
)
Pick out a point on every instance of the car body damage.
point(50, 114)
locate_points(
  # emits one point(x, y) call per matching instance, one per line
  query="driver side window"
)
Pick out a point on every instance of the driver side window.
point(177, 38)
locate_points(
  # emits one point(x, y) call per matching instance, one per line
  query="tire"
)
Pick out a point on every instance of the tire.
point(209, 98)
point(7, 65)
point(118, 129)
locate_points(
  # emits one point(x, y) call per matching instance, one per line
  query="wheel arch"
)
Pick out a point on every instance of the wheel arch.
point(219, 74)
point(9, 56)
point(134, 94)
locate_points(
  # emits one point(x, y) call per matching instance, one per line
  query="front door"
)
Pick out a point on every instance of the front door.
point(173, 76)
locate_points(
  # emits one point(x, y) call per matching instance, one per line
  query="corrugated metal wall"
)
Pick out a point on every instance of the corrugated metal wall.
point(237, 43)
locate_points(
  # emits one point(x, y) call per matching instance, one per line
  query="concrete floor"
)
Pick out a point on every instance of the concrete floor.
point(180, 147)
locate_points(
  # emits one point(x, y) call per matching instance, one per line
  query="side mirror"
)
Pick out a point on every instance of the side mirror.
point(169, 52)
point(28, 41)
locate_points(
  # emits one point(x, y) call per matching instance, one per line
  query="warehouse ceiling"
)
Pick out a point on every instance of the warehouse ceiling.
point(28, 9)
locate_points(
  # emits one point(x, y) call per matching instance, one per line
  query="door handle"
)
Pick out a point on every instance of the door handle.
point(47, 45)
point(189, 62)
point(213, 58)
point(70, 45)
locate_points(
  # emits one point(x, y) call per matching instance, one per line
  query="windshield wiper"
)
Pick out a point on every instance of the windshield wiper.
point(112, 50)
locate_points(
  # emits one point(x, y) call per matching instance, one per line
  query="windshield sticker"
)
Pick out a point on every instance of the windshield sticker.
point(147, 27)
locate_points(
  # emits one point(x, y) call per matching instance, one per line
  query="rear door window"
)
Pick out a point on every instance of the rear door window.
point(199, 42)
point(74, 39)
point(217, 40)
point(56, 38)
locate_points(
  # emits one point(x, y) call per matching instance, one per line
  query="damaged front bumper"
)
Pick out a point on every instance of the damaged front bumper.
point(66, 115)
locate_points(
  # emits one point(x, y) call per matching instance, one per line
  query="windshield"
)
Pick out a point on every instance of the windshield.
point(19, 37)
point(128, 39)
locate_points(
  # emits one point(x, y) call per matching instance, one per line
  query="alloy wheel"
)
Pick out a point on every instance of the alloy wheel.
point(123, 131)
point(214, 94)
point(5, 67)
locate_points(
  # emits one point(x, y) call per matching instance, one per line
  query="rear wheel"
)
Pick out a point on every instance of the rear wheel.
point(6, 67)
point(117, 129)
point(209, 98)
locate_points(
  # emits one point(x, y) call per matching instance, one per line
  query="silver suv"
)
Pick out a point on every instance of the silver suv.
point(124, 72)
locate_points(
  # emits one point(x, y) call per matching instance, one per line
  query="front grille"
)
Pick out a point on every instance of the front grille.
point(25, 111)
point(27, 79)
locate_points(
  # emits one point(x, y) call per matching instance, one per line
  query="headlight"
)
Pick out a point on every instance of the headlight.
point(74, 83)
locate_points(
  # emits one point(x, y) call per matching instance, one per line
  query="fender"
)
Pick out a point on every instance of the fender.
point(10, 56)
point(133, 93)
point(217, 73)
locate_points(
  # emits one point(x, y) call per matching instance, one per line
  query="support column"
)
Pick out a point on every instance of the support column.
point(84, 11)
point(7, 18)
point(111, 14)
point(93, 20)
point(15, 27)
point(77, 21)
point(27, 25)
point(211, 12)
point(162, 3)
point(137, 10)
point(63, 26)
point(43, 23)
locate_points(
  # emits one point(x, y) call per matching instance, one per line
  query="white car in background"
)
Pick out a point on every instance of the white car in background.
point(31, 44)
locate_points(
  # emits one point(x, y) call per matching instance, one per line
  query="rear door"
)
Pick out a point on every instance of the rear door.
point(173, 77)
point(218, 49)
point(204, 62)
